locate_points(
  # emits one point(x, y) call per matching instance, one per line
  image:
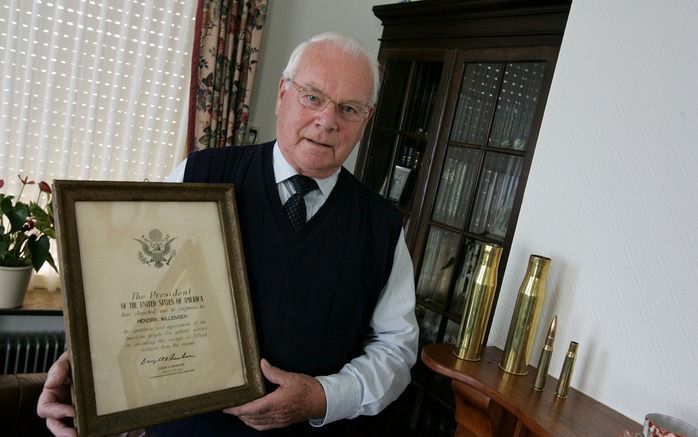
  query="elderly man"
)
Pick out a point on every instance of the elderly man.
point(330, 275)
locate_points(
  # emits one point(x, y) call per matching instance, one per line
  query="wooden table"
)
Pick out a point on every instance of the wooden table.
point(490, 402)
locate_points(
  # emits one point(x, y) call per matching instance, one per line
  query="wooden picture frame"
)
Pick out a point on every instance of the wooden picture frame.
point(157, 307)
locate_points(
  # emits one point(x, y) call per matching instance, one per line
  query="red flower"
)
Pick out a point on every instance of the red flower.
point(46, 188)
point(2, 183)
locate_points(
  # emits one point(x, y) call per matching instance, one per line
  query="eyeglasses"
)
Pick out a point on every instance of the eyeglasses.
point(317, 101)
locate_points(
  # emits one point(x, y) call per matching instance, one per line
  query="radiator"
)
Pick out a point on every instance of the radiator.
point(30, 352)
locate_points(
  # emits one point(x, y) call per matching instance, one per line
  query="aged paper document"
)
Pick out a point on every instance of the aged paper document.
point(158, 299)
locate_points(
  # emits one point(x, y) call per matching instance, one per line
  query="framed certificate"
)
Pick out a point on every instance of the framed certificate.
point(157, 307)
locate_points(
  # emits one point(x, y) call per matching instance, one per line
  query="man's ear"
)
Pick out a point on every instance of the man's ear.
point(370, 114)
point(280, 94)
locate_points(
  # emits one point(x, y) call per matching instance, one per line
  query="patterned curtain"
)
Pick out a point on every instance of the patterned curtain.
point(229, 35)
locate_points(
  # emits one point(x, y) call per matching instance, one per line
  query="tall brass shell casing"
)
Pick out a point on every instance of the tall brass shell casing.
point(524, 320)
point(478, 304)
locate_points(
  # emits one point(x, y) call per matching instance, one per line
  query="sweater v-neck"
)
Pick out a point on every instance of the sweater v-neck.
point(282, 222)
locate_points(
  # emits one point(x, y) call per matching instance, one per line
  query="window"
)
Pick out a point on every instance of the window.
point(93, 89)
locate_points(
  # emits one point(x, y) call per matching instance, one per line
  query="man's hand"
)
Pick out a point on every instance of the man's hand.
point(298, 398)
point(54, 401)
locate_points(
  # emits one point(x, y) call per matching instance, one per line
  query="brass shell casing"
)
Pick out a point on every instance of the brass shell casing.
point(524, 320)
point(545, 355)
point(478, 304)
point(563, 383)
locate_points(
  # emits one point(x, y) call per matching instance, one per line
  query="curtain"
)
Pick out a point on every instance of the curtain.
point(93, 90)
point(225, 56)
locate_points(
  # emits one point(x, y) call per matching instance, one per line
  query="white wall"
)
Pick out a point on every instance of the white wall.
point(291, 22)
point(612, 198)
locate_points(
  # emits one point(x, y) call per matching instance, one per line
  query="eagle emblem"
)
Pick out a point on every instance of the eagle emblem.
point(156, 249)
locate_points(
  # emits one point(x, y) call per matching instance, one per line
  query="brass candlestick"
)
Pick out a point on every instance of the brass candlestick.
point(478, 304)
point(545, 355)
point(524, 320)
point(563, 384)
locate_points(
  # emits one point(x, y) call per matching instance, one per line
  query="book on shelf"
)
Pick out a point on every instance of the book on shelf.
point(455, 185)
point(445, 186)
point(457, 122)
point(498, 199)
point(490, 199)
point(466, 102)
point(425, 288)
point(423, 125)
point(455, 202)
point(479, 213)
point(409, 157)
point(501, 222)
point(467, 187)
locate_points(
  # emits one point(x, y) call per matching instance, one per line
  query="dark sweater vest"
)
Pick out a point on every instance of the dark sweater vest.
point(314, 291)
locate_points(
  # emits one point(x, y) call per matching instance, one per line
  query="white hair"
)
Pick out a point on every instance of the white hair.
point(346, 44)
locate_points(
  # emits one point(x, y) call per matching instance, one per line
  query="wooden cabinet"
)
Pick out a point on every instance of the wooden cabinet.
point(452, 140)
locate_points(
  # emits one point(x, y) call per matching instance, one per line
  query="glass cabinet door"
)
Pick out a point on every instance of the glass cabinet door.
point(478, 181)
point(458, 185)
point(400, 130)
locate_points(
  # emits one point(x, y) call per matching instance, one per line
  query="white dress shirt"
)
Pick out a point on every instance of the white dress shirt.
point(371, 381)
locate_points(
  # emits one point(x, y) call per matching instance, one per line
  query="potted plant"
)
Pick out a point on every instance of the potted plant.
point(26, 231)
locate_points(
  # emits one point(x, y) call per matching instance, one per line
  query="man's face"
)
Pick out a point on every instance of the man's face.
point(316, 143)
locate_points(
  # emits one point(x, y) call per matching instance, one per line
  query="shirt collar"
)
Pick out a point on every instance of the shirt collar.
point(283, 171)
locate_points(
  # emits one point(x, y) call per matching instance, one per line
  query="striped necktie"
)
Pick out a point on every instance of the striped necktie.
point(295, 205)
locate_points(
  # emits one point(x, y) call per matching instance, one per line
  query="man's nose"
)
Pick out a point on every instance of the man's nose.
point(328, 117)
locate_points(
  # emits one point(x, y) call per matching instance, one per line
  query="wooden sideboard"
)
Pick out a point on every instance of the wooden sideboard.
point(490, 402)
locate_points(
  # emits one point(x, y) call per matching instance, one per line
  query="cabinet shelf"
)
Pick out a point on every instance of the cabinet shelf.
point(429, 305)
point(420, 136)
point(513, 152)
